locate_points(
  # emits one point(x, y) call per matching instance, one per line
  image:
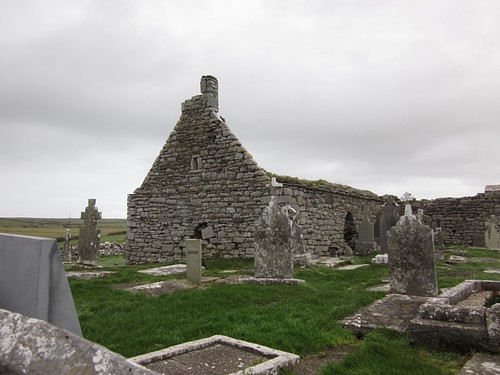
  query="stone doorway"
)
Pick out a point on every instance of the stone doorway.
point(350, 231)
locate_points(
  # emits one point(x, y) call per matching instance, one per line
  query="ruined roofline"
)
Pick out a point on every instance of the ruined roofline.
point(209, 97)
point(325, 186)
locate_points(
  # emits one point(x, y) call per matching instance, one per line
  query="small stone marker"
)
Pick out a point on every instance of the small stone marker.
point(273, 244)
point(365, 243)
point(389, 218)
point(193, 261)
point(380, 259)
point(411, 257)
point(88, 242)
point(492, 234)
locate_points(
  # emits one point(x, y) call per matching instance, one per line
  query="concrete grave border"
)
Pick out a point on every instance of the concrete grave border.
point(277, 358)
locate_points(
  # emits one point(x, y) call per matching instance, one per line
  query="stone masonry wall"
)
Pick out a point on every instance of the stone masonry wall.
point(204, 184)
point(462, 219)
point(323, 210)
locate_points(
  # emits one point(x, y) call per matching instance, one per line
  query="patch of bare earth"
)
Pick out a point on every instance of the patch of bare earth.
point(310, 365)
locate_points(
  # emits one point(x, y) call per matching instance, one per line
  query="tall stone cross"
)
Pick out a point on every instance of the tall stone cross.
point(88, 242)
point(407, 198)
point(91, 213)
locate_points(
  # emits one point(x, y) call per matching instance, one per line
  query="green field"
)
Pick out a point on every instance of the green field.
point(112, 230)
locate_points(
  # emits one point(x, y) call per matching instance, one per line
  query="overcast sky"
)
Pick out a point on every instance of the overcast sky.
point(388, 96)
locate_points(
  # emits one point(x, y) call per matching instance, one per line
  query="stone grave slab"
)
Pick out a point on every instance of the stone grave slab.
point(88, 275)
point(394, 311)
point(482, 364)
point(492, 271)
point(165, 287)
point(33, 281)
point(165, 270)
point(351, 267)
point(218, 355)
point(329, 262)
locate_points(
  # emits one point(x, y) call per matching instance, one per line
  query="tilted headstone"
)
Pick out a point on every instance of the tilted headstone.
point(66, 254)
point(411, 257)
point(33, 281)
point(492, 234)
point(88, 241)
point(365, 243)
point(193, 261)
point(389, 218)
point(274, 243)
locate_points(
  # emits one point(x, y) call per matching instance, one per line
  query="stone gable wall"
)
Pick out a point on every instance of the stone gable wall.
point(204, 184)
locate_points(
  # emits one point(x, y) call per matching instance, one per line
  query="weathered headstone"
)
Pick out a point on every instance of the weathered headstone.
point(66, 255)
point(193, 261)
point(411, 257)
point(274, 243)
point(389, 218)
point(365, 243)
point(300, 256)
point(492, 234)
point(88, 242)
point(439, 238)
point(33, 281)
point(32, 346)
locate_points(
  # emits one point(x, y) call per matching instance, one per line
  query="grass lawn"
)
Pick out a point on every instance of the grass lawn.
point(300, 319)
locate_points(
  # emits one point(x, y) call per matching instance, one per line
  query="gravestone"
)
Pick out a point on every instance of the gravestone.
point(88, 242)
point(33, 281)
point(66, 255)
point(389, 218)
point(439, 238)
point(274, 243)
point(193, 261)
point(32, 346)
point(411, 256)
point(365, 243)
point(300, 256)
point(492, 234)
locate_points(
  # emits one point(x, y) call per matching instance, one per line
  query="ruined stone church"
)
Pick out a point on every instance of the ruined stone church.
point(204, 184)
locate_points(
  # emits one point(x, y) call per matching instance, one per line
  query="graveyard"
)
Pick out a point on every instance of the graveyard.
point(225, 268)
point(302, 319)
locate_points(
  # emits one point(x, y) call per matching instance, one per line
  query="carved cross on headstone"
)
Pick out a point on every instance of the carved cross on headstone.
point(88, 242)
point(406, 199)
point(91, 214)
